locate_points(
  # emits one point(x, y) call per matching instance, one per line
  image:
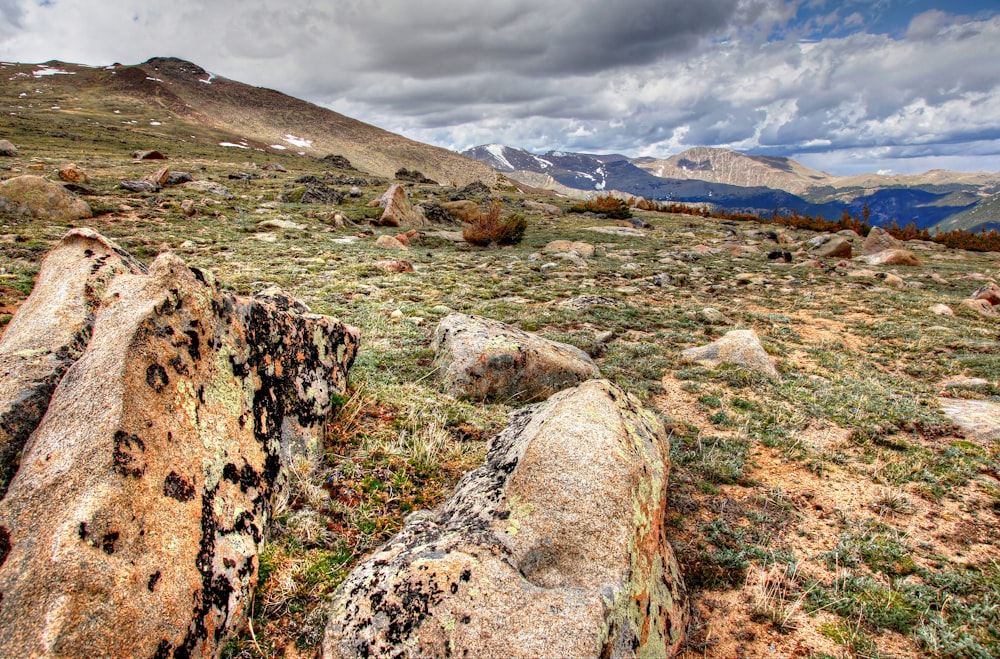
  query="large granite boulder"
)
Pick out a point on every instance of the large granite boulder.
point(37, 197)
point(50, 332)
point(480, 359)
point(556, 547)
point(133, 524)
point(892, 257)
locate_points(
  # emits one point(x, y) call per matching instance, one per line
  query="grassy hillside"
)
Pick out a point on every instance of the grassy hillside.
point(836, 513)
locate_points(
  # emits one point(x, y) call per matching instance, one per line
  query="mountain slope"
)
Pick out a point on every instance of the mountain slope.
point(185, 100)
point(984, 215)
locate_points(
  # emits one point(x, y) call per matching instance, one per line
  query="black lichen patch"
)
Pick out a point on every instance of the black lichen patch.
point(153, 580)
point(246, 477)
point(163, 650)
point(127, 460)
point(4, 544)
point(83, 531)
point(156, 377)
point(176, 487)
point(108, 542)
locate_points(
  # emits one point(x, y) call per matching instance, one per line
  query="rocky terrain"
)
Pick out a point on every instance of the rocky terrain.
point(767, 443)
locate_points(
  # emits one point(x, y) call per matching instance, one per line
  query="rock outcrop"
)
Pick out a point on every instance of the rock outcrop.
point(37, 197)
point(50, 332)
point(739, 348)
point(484, 359)
point(556, 547)
point(133, 523)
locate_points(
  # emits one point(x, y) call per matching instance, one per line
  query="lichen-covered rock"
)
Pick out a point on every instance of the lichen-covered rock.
point(556, 547)
point(481, 359)
point(981, 307)
point(398, 211)
point(134, 521)
point(463, 210)
point(738, 347)
point(50, 332)
point(580, 248)
point(879, 240)
point(73, 174)
point(990, 292)
point(37, 197)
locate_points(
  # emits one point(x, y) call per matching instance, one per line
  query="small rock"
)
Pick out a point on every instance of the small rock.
point(395, 266)
point(463, 210)
point(891, 280)
point(149, 155)
point(830, 246)
point(188, 207)
point(7, 149)
point(216, 189)
point(941, 310)
point(581, 302)
point(397, 315)
point(892, 257)
point(266, 237)
point(281, 224)
point(140, 186)
point(388, 242)
point(714, 316)
point(879, 240)
point(617, 231)
point(398, 211)
point(739, 347)
point(547, 209)
point(581, 249)
point(73, 174)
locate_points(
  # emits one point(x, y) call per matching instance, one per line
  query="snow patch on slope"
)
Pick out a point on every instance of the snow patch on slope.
point(300, 142)
point(497, 151)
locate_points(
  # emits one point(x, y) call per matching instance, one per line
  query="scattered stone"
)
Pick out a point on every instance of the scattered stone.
point(891, 280)
point(990, 292)
point(354, 192)
point(434, 213)
point(209, 187)
point(7, 149)
point(313, 193)
point(476, 189)
point(266, 237)
point(243, 176)
point(849, 234)
point(617, 231)
point(738, 347)
point(188, 207)
point(892, 257)
point(37, 197)
point(338, 220)
point(140, 186)
point(462, 210)
point(779, 255)
point(50, 332)
point(133, 526)
point(556, 547)
point(979, 419)
point(941, 310)
point(830, 246)
point(149, 155)
point(581, 249)
point(582, 302)
point(389, 242)
point(714, 316)
point(484, 359)
point(981, 307)
point(73, 174)
point(394, 266)
point(879, 240)
point(340, 162)
point(274, 167)
point(966, 383)
point(547, 209)
point(861, 274)
point(398, 211)
point(284, 225)
point(177, 178)
point(397, 315)
point(938, 279)
point(450, 236)
point(404, 174)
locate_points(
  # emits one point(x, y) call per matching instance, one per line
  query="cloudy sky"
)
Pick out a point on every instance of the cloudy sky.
point(850, 86)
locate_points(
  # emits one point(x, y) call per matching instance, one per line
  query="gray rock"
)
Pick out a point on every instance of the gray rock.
point(829, 246)
point(879, 240)
point(556, 547)
point(7, 149)
point(483, 359)
point(209, 187)
point(979, 419)
point(140, 186)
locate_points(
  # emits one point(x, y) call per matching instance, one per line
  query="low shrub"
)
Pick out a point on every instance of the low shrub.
point(613, 207)
point(490, 228)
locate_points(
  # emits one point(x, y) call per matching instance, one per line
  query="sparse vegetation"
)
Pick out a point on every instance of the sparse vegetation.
point(612, 207)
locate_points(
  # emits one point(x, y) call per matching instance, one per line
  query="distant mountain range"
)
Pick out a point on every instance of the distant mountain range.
point(759, 184)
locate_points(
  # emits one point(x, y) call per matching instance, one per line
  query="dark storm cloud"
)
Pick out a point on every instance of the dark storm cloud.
point(643, 77)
